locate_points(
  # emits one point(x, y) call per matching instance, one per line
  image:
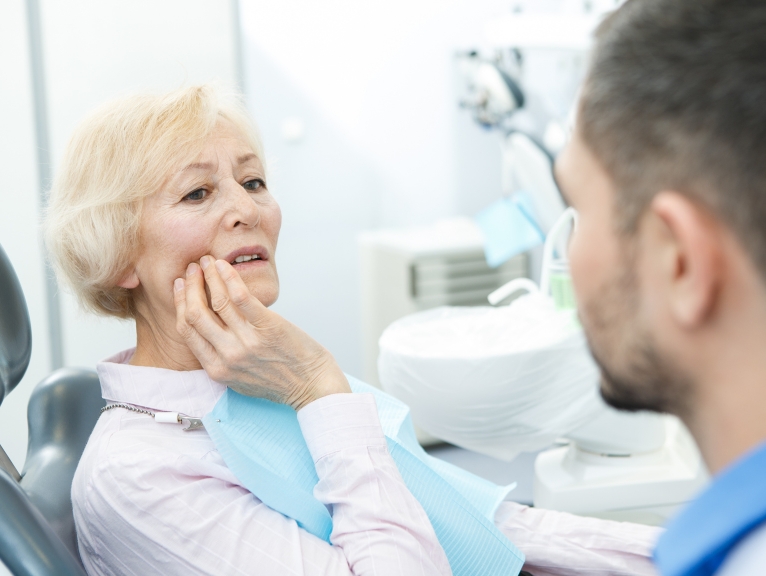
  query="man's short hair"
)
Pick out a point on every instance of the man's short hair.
point(676, 99)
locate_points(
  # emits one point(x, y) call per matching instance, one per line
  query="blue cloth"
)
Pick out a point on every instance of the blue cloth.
point(261, 442)
point(698, 540)
point(509, 228)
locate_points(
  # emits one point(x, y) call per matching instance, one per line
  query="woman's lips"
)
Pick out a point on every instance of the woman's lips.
point(250, 265)
point(246, 253)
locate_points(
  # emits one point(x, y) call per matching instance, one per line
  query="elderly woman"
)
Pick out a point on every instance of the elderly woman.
point(161, 213)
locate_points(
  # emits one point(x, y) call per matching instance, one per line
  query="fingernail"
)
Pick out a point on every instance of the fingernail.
point(205, 262)
point(191, 269)
point(220, 265)
point(178, 285)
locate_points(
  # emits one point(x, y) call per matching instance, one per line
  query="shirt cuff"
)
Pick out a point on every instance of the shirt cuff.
point(340, 421)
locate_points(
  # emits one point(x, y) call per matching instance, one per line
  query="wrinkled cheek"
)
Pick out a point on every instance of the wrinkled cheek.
point(277, 220)
point(173, 245)
point(273, 233)
point(186, 242)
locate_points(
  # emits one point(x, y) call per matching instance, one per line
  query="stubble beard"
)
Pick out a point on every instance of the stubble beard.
point(635, 373)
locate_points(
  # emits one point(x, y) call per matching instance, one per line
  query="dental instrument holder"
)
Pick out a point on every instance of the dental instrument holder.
point(625, 466)
point(497, 99)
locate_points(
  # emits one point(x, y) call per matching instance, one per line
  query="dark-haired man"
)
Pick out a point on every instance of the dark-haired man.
point(667, 169)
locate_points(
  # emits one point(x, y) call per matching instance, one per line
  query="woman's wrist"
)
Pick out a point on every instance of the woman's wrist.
point(330, 380)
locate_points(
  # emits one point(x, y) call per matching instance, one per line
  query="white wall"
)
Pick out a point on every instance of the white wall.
point(385, 142)
point(19, 214)
point(376, 88)
point(374, 85)
point(96, 50)
point(93, 50)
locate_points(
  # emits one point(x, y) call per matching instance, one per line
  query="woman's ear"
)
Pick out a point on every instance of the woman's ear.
point(129, 280)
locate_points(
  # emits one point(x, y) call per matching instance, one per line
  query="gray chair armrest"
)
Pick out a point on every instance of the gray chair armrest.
point(28, 547)
point(62, 412)
point(15, 330)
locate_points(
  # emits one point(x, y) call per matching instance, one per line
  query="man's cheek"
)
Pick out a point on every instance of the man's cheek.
point(583, 265)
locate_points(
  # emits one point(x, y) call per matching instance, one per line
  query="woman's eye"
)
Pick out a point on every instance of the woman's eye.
point(254, 185)
point(196, 195)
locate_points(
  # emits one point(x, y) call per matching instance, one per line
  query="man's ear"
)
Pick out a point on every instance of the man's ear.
point(690, 259)
point(129, 280)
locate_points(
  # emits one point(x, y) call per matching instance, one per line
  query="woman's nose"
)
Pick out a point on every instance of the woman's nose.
point(242, 210)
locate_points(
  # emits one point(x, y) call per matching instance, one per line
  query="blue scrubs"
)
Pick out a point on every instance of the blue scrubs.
point(699, 539)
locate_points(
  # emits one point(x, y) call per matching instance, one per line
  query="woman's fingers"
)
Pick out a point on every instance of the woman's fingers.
point(258, 353)
point(197, 314)
point(220, 300)
point(240, 296)
point(201, 348)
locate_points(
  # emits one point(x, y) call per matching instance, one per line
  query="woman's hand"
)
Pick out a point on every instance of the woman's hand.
point(246, 346)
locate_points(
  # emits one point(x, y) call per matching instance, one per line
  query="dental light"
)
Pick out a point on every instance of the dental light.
point(493, 96)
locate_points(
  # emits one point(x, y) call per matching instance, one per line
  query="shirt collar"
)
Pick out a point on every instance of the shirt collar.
point(191, 392)
point(699, 538)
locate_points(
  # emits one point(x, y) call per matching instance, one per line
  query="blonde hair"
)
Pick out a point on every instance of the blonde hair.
point(119, 155)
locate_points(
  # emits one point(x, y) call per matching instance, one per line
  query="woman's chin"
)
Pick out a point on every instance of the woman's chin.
point(266, 291)
point(268, 300)
point(261, 280)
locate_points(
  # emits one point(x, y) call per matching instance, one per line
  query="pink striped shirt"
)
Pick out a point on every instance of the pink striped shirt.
point(150, 498)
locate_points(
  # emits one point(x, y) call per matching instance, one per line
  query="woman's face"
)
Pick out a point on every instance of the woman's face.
point(217, 205)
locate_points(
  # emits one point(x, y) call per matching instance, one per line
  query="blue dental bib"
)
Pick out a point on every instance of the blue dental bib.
point(261, 442)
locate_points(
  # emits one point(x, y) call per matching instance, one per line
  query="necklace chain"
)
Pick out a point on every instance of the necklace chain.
point(194, 422)
point(127, 407)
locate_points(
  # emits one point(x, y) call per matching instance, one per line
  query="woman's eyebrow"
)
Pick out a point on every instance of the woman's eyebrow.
point(208, 165)
point(246, 158)
point(198, 166)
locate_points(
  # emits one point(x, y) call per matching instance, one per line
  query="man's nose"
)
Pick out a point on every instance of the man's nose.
point(241, 209)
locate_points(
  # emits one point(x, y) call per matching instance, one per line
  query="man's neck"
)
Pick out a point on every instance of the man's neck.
point(728, 417)
point(731, 420)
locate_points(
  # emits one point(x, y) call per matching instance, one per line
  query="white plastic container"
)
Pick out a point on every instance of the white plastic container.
point(495, 380)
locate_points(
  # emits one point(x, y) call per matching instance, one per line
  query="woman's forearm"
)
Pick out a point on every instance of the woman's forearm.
point(379, 525)
point(561, 544)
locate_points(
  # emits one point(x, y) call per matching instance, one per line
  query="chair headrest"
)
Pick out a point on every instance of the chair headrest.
point(15, 330)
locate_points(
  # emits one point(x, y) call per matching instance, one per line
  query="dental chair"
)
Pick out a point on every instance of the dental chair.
point(37, 534)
